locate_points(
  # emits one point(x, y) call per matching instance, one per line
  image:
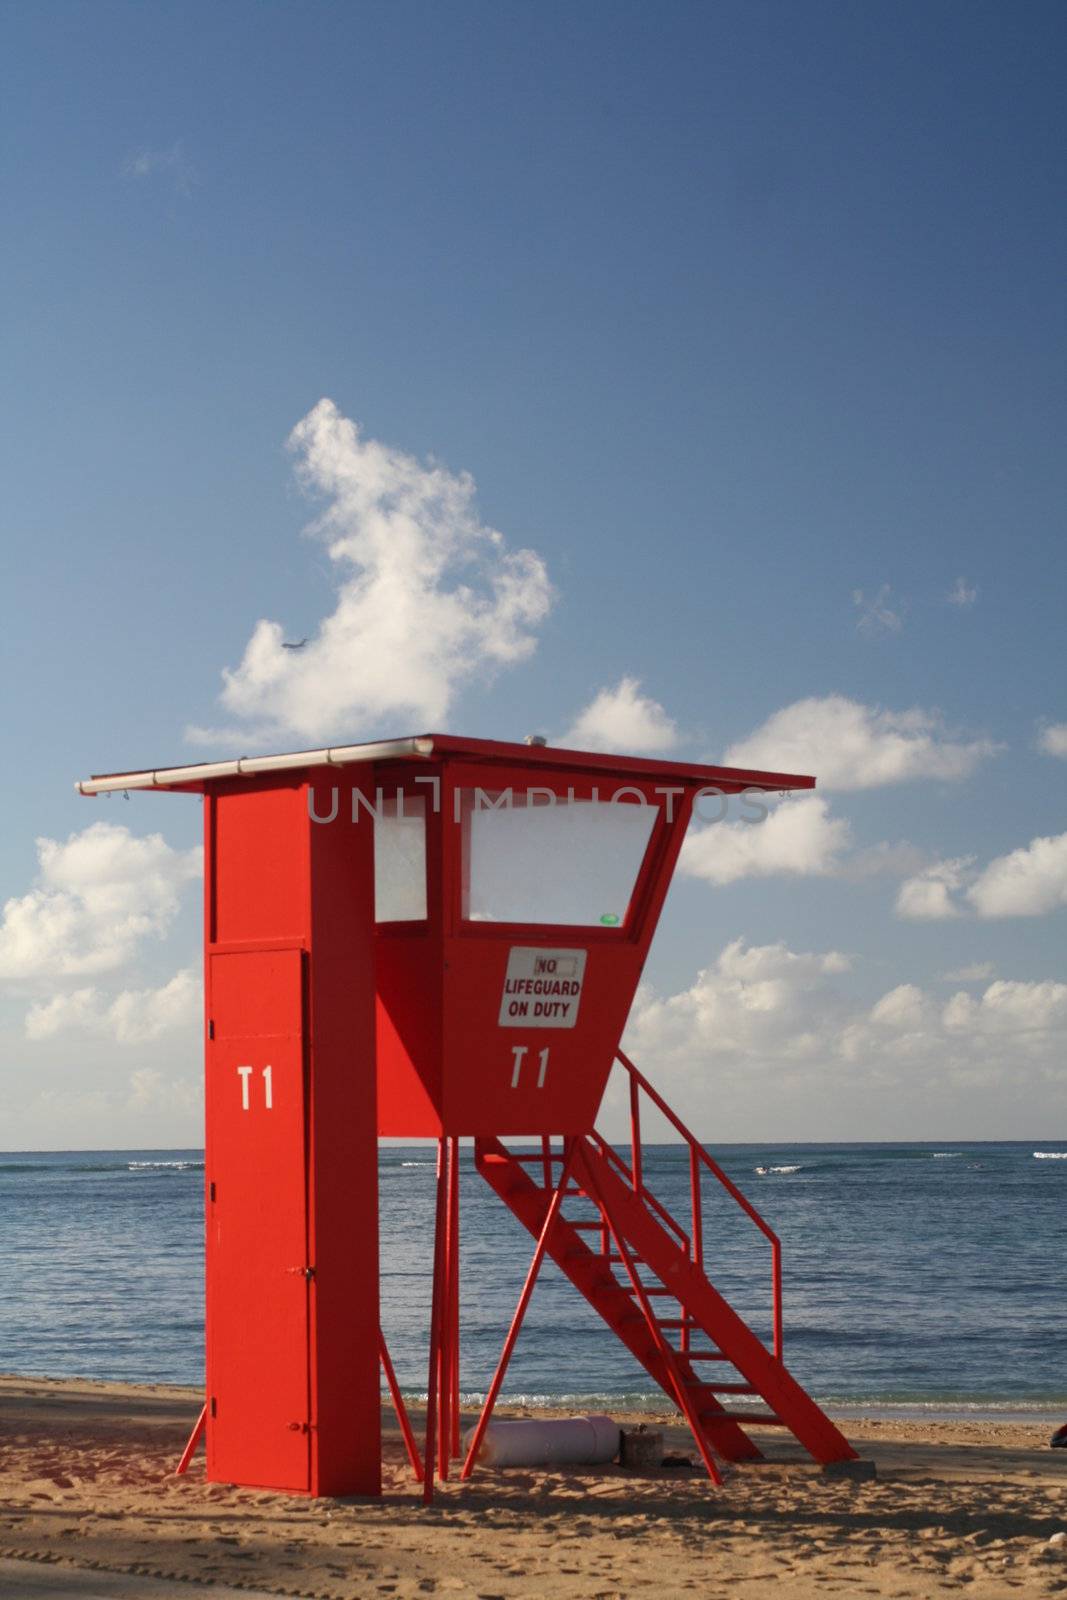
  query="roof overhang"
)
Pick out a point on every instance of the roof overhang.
point(198, 777)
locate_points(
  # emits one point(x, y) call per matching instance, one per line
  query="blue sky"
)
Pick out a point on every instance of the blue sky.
point(733, 313)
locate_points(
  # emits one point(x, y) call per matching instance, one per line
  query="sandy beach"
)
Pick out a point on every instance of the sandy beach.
point(87, 1482)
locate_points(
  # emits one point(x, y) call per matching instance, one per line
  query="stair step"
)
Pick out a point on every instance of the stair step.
point(705, 1355)
point(650, 1289)
point(727, 1388)
point(677, 1323)
point(583, 1222)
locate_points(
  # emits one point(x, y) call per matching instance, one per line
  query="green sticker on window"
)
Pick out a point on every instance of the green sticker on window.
point(610, 920)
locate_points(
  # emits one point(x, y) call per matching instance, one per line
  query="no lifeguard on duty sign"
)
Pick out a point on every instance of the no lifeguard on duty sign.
point(542, 988)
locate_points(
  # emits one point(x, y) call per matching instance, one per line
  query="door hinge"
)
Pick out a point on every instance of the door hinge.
point(211, 1191)
point(301, 1427)
point(214, 1406)
point(211, 1030)
point(302, 1272)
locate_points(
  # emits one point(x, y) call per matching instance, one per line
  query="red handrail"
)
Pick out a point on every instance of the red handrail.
point(672, 1225)
point(697, 1155)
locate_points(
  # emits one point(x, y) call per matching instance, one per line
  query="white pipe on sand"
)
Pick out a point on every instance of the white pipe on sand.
point(532, 1442)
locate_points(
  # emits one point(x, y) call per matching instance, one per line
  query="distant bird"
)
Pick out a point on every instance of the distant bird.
point(299, 645)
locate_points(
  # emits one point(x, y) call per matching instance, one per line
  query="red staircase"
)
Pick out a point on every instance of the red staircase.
point(663, 1302)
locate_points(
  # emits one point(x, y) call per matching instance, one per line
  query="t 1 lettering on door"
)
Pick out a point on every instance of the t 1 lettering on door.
point(246, 1076)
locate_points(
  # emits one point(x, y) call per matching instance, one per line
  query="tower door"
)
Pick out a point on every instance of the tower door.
point(258, 1282)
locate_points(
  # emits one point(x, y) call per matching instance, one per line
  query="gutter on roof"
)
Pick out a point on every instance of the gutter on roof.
point(246, 766)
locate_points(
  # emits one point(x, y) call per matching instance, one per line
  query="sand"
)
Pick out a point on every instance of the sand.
point(87, 1482)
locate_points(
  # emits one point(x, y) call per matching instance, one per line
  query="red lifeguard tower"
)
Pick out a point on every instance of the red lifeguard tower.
point(441, 936)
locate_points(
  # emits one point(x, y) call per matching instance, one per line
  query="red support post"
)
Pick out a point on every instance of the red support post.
point(569, 1147)
point(698, 1210)
point(449, 1329)
point(454, 1309)
point(194, 1439)
point(436, 1319)
point(400, 1408)
point(635, 1137)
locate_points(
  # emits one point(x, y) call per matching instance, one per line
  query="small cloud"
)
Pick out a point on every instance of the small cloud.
point(136, 1016)
point(977, 972)
point(879, 614)
point(623, 719)
point(171, 164)
point(99, 895)
point(151, 1090)
point(928, 897)
point(962, 593)
point(1052, 740)
point(906, 1008)
point(1028, 882)
point(848, 745)
point(798, 839)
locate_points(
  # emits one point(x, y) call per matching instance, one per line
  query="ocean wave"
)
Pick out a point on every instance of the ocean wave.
point(543, 1400)
point(926, 1408)
point(169, 1166)
point(947, 1410)
point(1050, 1155)
point(765, 1172)
point(60, 1168)
point(946, 1155)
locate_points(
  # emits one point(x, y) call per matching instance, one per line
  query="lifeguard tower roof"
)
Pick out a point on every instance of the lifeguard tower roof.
point(195, 778)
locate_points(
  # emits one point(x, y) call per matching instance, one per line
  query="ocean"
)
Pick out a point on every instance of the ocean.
point(920, 1279)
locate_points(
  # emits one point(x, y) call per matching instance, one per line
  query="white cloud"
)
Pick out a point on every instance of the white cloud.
point(762, 1002)
point(98, 895)
point(79, 1010)
point(962, 593)
point(134, 1016)
point(153, 1091)
point(622, 719)
point(904, 1008)
point(768, 1042)
point(798, 838)
point(1030, 1013)
point(428, 597)
point(1053, 740)
point(171, 163)
point(928, 897)
point(848, 745)
point(976, 972)
point(879, 614)
point(1027, 883)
